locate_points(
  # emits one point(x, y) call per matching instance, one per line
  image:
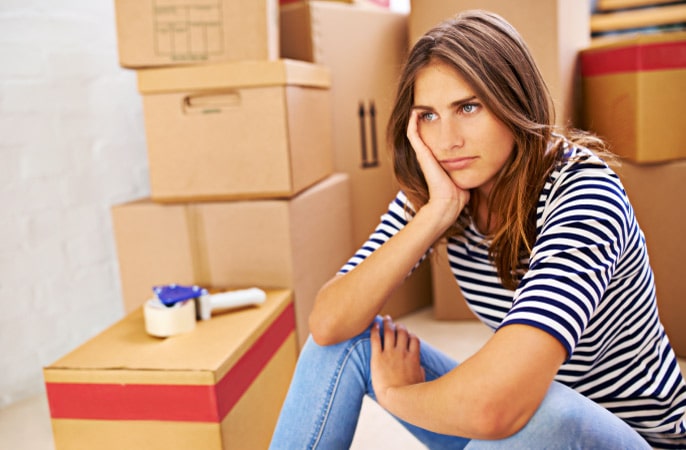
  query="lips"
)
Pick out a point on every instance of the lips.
point(457, 163)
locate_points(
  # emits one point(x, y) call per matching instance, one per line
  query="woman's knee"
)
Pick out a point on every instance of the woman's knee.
point(572, 420)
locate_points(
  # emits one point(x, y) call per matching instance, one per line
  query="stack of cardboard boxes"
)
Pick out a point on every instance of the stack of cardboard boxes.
point(240, 156)
point(634, 86)
point(290, 152)
point(243, 193)
point(242, 184)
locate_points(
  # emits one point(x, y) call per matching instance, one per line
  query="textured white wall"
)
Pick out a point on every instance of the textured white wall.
point(72, 144)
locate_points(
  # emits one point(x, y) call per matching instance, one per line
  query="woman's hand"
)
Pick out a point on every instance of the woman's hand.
point(395, 362)
point(442, 189)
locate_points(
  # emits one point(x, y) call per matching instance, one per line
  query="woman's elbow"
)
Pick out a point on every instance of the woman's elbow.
point(500, 421)
point(321, 330)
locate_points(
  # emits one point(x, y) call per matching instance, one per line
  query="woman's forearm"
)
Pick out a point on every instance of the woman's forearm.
point(492, 395)
point(347, 304)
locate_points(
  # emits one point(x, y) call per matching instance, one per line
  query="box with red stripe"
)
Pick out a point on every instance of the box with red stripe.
point(634, 94)
point(219, 386)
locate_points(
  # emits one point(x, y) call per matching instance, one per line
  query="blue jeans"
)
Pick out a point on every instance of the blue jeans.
point(324, 401)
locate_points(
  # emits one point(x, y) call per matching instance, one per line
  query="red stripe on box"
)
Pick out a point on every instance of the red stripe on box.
point(638, 58)
point(132, 402)
point(187, 403)
point(238, 379)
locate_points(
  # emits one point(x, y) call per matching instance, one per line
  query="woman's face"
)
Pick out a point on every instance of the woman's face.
point(469, 142)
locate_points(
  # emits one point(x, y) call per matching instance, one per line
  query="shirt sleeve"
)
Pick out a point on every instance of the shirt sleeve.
point(582, 229)
point(399, 213)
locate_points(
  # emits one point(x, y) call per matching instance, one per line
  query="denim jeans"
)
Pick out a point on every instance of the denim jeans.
point(325, 397)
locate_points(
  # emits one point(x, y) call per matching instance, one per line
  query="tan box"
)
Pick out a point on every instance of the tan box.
point(635, 94)
point(656, 192)
point(449, 303)
point(174, 32)
point(555, 30)
point(252, 129)
point(298, 243)
point(364, 65)
point(220, 386)
point(633, 17)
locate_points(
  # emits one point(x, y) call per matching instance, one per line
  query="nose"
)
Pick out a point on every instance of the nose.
point(451, 135)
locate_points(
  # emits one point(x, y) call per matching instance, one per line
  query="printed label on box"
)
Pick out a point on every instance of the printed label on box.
point(185, 31)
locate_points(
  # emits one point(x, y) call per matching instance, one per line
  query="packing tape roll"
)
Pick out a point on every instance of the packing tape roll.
point(165, 321)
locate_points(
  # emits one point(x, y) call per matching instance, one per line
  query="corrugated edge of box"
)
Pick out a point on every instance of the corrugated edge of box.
point(235, 74)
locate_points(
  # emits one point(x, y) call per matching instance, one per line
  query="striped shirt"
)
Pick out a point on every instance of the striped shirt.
point(589, 284)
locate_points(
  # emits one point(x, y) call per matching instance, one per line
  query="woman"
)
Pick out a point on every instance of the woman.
point(546, 249)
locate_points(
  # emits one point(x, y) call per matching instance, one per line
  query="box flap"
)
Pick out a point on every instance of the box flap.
point(126, 351)
point(632, 39)
point(242, 74)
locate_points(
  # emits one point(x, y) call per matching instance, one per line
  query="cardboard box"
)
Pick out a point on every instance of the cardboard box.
point(298, 244)
point(555, 31)
point(220, 386)
point(252, 129)
point(174, 32)
point(656, 192)
point(449, 303)
point(609, 5)
point(635, 94)
point(638, 18)
point(363, 90)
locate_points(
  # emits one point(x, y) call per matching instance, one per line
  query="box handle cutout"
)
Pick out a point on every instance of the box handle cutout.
point(368, 160)
point(210, 103)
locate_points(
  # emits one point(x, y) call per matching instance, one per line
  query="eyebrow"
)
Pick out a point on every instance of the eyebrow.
point(454, 104)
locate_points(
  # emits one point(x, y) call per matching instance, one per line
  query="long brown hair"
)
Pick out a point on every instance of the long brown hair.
point(495, 61)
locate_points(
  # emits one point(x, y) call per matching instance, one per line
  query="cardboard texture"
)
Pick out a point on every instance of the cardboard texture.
point(174, 32)
point(608, 5)
point(220, 386)
point(298, 243)
point(449, 303)
point(635, 95)
point(656, 192)
point(252, 129)
point(633, 19)
point(555, 30)
point(363, 89)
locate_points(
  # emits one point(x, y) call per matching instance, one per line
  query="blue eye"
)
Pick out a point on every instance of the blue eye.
point(428, 116)
point(470, 107)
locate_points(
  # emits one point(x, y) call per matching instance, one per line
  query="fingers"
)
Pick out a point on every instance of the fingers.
point(413, 345)
point(375, 338)
point(413, 135)
point(402, 338)
point(412, 132)
point(388, 332)
point(396, 336)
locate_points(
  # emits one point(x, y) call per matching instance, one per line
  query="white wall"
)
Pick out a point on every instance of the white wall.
point(72, 144)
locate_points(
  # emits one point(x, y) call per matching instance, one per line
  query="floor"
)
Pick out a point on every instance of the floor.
point(26, 425)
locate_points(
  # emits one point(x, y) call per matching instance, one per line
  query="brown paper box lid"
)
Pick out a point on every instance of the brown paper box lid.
point(242, 74)
point(126, 353)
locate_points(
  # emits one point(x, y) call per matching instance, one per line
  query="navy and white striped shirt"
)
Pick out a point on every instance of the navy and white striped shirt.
point(589, 284)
